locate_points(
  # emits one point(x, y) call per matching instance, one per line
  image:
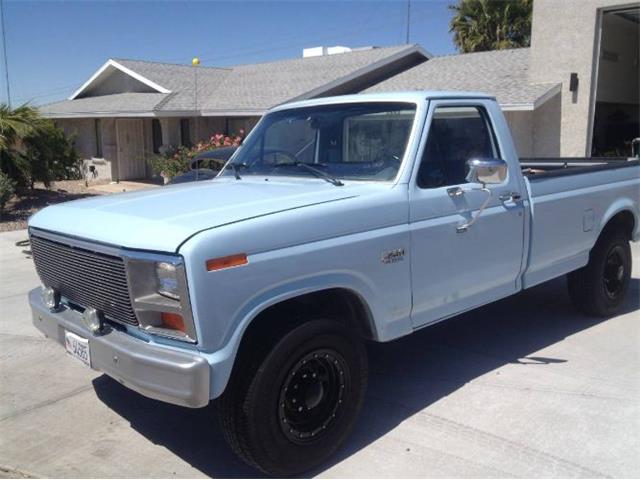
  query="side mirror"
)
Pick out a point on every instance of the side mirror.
point(487, 171)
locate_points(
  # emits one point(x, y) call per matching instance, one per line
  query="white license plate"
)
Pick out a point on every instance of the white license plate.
point(77, 347)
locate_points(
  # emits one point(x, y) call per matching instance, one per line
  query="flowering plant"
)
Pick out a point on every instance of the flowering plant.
point(176, 161)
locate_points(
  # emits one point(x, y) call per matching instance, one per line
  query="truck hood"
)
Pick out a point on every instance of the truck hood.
point(161, 219)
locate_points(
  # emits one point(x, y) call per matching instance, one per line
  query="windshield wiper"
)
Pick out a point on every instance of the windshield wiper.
point(236, 168)
point(320, 174)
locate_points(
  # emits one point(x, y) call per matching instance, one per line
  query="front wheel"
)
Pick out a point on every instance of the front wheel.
point(295, 410)
point(599, 288)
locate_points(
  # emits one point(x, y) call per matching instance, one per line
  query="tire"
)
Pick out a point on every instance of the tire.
point(599, 288)
point(260, 410)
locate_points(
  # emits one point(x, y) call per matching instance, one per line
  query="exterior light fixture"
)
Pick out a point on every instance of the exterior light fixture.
point(573, 82)
point(51, 298)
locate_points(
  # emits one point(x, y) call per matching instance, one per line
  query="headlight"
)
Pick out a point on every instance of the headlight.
point(167, 280)
point(159, 295)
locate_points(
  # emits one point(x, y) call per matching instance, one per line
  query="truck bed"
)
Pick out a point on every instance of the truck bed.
point(571, 200)
point(537, 168)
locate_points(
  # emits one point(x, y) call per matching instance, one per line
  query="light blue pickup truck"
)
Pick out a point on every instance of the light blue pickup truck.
point(339, 221)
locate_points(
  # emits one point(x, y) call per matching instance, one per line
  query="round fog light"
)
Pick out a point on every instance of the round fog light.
point(51, 298)
point(92, 318)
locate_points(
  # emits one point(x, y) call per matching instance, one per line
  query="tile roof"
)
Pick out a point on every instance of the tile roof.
point(501, 73)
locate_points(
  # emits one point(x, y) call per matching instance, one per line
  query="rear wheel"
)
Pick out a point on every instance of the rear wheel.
point(297, 407)
point(599, 288)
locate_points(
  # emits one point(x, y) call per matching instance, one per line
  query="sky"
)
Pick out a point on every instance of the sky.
point(53, 47)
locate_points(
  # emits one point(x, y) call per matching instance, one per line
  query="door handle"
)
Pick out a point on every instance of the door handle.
point(514, 196)
point(454, 192)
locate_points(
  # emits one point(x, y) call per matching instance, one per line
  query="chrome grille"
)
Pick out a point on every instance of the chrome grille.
point(86, 278)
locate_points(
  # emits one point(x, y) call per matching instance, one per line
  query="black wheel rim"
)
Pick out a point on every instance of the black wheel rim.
point(614, 273)
point(312, 395)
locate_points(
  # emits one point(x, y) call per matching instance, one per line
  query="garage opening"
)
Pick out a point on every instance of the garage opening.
point(616, 128)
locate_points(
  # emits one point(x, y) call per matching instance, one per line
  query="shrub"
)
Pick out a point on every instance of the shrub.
point(33, 149)
point(15, 125)
point(7, 188)
point(177, 161)
point(51, 156)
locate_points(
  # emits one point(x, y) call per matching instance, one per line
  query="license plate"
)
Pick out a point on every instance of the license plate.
point(77, 347)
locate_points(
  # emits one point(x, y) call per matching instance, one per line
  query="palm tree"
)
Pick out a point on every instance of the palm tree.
point(480, 25)
point(16, 127)
point(16, 124)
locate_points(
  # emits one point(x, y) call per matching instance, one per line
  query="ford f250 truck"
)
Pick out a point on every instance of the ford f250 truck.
point(339, 221)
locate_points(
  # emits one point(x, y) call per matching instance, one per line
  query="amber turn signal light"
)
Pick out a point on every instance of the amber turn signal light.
point(172, 321)
point(227, 262)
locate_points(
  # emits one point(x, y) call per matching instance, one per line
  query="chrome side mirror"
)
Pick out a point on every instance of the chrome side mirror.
point(487, 171)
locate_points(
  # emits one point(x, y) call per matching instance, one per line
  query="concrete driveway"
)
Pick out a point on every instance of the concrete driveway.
point(522, 388)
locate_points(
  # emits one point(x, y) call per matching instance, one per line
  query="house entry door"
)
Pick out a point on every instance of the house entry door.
point(131, 162)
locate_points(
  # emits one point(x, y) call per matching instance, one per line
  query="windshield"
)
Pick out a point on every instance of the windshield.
point(359, 141)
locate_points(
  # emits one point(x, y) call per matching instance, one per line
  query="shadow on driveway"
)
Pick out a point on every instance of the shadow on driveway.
point(423, 368)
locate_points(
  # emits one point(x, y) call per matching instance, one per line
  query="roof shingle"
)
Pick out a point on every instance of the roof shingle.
point(119, 103)
point(243, 88)
point(501, 73)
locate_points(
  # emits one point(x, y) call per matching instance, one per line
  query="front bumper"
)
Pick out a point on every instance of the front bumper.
point(162, 373)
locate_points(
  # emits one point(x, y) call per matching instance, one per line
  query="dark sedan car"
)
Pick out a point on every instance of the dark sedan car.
point(205, 165)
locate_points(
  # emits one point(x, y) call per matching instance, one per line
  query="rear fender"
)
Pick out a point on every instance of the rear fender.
point(621, 205)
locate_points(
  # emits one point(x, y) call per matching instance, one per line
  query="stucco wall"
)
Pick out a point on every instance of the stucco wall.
point(521, 125)
point(170, 131)
point(564, 41)
point(208, 126)
point(546, 133)
point(82, 130)
point(117, 82)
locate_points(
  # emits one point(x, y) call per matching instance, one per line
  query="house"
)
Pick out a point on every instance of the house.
point(130, 109)
point(574, 92)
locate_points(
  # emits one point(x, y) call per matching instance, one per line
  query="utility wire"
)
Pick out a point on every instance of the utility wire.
point(408, 20)
point(4, 46)
point(45, 94)
point(285, 43)
point(241, 54)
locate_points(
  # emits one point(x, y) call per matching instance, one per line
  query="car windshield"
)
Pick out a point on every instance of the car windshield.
point(358, 141)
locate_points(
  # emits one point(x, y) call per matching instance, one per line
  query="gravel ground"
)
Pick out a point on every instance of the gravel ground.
point(20, 208)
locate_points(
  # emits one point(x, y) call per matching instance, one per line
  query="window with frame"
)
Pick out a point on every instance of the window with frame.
point(97, 127)
point(457, 134)
point(156, 133)
point(185, 132)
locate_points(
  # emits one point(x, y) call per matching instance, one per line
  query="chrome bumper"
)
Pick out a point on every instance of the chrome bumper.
point(172, 376)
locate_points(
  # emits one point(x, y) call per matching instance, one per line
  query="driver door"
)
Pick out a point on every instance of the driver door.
point(453, 270)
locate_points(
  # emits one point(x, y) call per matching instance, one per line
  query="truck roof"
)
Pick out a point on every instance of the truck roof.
point(408, 96)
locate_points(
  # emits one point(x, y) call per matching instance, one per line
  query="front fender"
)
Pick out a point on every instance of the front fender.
point(222, 360)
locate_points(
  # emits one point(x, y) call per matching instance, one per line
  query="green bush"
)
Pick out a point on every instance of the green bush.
point(33, 149)
point(50, 156)
point(7, 189)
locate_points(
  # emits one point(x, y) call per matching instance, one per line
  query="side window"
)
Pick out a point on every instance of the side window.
point(457, 134)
